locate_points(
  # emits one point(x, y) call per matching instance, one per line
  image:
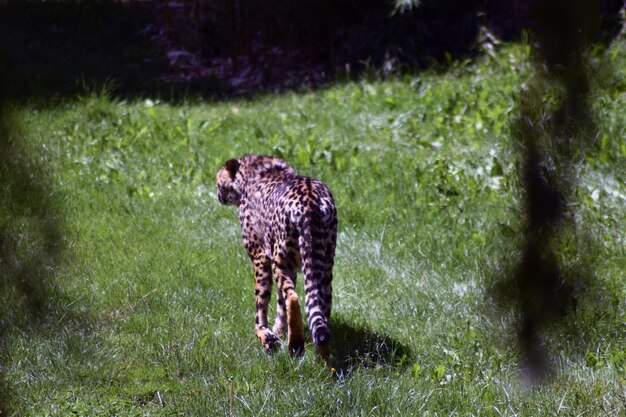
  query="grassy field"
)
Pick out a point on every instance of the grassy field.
point(153, 296)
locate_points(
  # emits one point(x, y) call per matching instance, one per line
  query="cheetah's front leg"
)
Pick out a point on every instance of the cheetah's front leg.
point(262, 292)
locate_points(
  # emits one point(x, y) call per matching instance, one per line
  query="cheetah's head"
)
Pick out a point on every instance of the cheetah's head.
point(228, 188)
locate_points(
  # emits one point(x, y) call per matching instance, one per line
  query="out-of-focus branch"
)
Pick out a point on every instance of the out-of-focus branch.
point(552, 143)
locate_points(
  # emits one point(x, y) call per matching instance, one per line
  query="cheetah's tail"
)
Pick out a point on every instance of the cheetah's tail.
point(313, 269)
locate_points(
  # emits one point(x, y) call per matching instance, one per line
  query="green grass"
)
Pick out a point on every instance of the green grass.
point(154, 308)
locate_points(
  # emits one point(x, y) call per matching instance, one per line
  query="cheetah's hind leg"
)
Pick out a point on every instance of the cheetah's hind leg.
point(295, 332)
point(280, 325)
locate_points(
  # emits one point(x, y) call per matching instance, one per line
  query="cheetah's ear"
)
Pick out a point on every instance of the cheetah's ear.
point(232, 166)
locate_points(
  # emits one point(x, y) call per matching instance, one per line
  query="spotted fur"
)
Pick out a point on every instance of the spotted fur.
point(288, 224)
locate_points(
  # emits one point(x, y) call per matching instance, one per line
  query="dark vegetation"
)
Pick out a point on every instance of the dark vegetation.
point(207, 48)
point(57, 49)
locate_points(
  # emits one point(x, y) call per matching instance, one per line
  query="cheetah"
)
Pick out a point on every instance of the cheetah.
point(288, 224)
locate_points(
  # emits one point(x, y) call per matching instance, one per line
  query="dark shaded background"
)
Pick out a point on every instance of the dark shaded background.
point(211, 48)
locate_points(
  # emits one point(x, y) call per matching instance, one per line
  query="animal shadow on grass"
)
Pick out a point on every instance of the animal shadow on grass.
point(357, 346)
